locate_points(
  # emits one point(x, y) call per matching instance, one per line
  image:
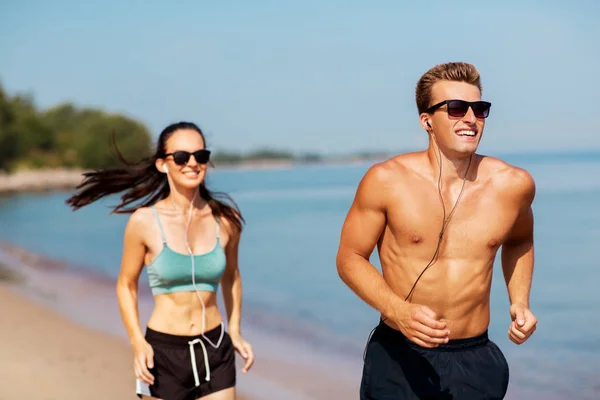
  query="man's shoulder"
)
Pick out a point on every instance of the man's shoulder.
point(393, 168)
point(508, 178)
point(385, 178)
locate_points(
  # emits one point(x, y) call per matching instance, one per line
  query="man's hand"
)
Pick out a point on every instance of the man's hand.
point(524, 323)
point(421, 326)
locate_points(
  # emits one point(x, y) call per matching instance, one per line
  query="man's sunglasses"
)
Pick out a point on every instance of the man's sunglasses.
point(459, 108)
point(182, 157)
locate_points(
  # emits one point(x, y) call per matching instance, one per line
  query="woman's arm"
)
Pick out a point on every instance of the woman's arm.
point(134, 251)
point(231, 283)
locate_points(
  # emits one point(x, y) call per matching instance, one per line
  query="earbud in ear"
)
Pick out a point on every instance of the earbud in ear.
point(428, 124)
point(166, 169)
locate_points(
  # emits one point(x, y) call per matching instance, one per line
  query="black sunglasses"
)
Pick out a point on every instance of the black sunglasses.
point(182, 157)
point(459, 108)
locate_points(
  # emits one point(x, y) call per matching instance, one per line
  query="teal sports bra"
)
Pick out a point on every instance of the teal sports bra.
point(171, 271)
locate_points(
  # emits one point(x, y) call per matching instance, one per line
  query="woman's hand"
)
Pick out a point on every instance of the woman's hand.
point(143, 361)
point(245, 350)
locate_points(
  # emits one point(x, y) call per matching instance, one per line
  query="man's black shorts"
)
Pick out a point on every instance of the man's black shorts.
point(396, 368)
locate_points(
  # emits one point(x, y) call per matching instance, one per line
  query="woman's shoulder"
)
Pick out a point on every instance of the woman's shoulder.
point(227, 224)
point(141, 219)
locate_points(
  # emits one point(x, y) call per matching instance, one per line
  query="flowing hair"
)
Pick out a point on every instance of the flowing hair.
point(142, 181)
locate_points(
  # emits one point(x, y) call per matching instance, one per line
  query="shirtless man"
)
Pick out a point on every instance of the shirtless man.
point(438, 218)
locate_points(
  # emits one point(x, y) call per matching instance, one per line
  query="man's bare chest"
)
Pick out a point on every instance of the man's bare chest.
point(477, 222)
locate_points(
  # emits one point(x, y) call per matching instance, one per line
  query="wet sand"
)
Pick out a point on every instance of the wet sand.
point(62, 339)
point(46, 356)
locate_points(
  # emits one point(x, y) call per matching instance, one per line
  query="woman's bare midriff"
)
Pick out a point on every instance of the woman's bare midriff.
point(181, 313)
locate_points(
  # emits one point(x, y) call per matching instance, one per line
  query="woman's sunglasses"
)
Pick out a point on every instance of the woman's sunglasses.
point(182, 157)
point(459, 108)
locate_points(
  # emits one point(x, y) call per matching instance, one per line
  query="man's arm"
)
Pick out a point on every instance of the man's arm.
point(362, 228)
point(518, 249)
point(518, 260)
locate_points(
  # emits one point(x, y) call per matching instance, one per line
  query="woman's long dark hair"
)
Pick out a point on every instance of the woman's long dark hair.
point(142, 181)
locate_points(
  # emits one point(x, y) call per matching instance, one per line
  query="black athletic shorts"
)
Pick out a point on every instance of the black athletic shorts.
point(175, 378)
point(396, 368)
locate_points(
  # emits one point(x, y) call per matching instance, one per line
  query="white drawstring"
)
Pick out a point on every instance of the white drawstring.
point(193, 354)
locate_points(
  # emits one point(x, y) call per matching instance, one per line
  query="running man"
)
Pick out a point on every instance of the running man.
point(438, 218)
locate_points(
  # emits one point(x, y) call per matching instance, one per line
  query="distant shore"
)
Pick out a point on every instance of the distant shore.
point(40, 180)
point(52, 179)
point(46, 180)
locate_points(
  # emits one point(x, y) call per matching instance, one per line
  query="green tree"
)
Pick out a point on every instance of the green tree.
point(8, 137)
point(65, 136)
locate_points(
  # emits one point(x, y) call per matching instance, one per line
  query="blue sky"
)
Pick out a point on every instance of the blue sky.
point(328, 76)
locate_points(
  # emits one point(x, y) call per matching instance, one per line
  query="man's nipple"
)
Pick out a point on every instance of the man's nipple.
point(416, 238)
point(493, 243)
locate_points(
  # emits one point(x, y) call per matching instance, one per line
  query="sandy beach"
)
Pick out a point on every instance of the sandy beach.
point(46, 356)
point(71, 343)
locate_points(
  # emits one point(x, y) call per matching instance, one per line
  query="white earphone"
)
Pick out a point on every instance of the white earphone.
point(190, 252)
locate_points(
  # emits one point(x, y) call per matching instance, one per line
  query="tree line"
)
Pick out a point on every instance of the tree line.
point(74, 137)
point(79, 137)
point(65, 135)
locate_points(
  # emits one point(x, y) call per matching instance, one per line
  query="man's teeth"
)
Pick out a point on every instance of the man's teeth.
point(466, 133)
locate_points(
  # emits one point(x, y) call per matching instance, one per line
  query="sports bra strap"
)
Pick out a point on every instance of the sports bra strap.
point(218, 228)
point(162, 233)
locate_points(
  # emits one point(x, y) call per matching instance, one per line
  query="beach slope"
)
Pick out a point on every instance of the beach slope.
point(45, 356)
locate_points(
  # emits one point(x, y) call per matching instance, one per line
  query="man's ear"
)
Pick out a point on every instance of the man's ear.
point(424, 119)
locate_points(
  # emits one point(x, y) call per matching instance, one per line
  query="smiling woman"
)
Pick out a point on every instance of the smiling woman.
point(187, 239)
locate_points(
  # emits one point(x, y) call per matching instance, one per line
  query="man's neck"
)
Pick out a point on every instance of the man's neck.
point(453, 168)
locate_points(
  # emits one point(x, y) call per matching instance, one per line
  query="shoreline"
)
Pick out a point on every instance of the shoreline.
point(43, 180)
point(62, 178)
point(283, 368)
point(56, 179)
